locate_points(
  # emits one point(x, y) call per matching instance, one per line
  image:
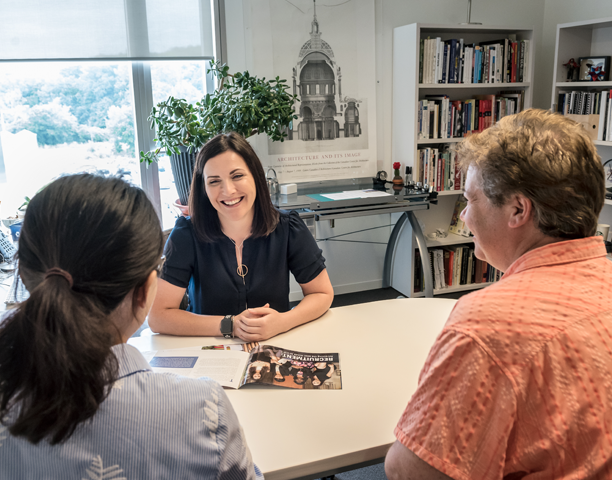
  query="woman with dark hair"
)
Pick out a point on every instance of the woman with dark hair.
point(234, 255)
point(75, 400)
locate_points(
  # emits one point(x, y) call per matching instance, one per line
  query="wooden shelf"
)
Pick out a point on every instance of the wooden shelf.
point(484, 86)
point(451, 239)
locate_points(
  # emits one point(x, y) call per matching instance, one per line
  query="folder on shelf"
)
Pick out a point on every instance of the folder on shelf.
point(589, 122)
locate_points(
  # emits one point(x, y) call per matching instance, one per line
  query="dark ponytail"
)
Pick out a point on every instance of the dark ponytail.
point(86, 242)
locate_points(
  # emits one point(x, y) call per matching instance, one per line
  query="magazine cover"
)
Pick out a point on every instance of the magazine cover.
point(234, 366)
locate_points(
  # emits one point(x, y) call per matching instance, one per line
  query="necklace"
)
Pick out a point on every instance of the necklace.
point(242, 269)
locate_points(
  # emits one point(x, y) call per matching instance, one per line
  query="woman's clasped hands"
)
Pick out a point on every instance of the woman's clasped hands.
point(257, 324)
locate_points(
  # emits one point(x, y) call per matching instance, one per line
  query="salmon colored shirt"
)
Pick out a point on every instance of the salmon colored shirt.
point(519, 382)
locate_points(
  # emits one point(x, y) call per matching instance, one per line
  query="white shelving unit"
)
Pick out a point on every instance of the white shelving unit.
point(584, 39)
point(453, 289)
point(407, 92)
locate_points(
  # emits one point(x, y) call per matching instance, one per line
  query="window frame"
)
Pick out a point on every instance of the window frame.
point(142, 96)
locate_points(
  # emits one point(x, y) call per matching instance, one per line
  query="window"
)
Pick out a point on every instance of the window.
point(186, 80)
point(88, 112)
point(63, 118)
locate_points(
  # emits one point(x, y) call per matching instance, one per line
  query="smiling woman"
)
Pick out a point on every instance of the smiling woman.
point(234, 255)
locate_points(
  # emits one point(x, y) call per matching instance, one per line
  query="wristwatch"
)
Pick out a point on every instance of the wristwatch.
point(227, 326)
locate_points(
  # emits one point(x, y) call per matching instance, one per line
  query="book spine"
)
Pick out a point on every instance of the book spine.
point(438, 61)
point(421, 60)
point(444, 63)
point(461, 62)
point(514, 58)
point(427, 61)
point(457, 176)
point(609, 115)
point(447, 62)
point(522, 62)
point(418, 265)
point(602, 115)
point(526, 60)
point(464, 265)
point(452, 67)
point(489, 113)
point(472, 272)
point(432, 264)
point(448, 174)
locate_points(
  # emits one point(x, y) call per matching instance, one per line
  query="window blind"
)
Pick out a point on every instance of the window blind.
point(105, 29)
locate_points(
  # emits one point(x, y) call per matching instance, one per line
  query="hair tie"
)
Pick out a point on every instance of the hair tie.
point(61, 273)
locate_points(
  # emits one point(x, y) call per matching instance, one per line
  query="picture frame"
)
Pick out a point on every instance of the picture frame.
point(594, 69)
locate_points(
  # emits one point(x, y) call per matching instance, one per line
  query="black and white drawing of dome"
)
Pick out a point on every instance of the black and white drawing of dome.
point(317, 81)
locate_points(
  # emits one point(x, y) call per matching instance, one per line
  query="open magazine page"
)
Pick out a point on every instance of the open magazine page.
point(287, 368)
point(224, 363)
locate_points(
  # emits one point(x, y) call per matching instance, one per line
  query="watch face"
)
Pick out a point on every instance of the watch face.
point(382, 175)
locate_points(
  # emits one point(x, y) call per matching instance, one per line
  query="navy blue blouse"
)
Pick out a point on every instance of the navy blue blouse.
point(208, 270)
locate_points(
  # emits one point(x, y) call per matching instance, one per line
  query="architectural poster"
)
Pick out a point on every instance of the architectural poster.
point(325, 50)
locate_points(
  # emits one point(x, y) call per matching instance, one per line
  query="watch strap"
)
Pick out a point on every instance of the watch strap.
point(227, 326)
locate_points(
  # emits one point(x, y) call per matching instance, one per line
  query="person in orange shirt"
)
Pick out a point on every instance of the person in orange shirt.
point(519, 383)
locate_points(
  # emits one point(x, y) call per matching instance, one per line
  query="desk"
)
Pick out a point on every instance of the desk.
point(306, 434)
point(313, 207)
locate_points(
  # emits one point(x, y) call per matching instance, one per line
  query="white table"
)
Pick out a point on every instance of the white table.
point(311, 433)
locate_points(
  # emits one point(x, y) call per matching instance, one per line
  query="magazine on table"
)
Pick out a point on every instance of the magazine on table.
point(234, 366)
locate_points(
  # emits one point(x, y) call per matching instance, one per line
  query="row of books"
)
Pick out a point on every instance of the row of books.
point(598, 104)
point(440, 169)
point(453, 266)
point(453, 61)
point(580, 103)
point(441, 117)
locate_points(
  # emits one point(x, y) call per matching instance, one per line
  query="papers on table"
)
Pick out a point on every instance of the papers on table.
point(351, 194)
point(195, 362)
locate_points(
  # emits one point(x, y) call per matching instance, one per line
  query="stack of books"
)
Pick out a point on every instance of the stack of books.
point(454, 61)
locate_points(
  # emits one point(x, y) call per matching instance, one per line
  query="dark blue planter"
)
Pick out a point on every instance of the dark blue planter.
point(182, 171)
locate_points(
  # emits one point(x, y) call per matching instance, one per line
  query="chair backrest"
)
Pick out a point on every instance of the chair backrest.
point(185, 301)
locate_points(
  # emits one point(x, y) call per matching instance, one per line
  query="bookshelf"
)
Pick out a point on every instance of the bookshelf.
point(453, 289)
point(408, 91)
point(584, 39)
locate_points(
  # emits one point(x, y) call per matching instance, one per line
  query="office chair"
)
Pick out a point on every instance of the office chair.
point(185, 300)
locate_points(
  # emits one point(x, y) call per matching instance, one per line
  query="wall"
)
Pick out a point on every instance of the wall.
point(555, 12)
point(355, 267)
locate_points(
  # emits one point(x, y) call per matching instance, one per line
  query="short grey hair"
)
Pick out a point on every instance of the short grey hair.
point(549, 159)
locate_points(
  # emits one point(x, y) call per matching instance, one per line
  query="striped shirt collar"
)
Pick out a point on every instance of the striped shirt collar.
point(559, 252)
point(130, 360)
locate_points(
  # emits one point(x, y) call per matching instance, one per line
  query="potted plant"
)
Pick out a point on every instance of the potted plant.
point(242, 103)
